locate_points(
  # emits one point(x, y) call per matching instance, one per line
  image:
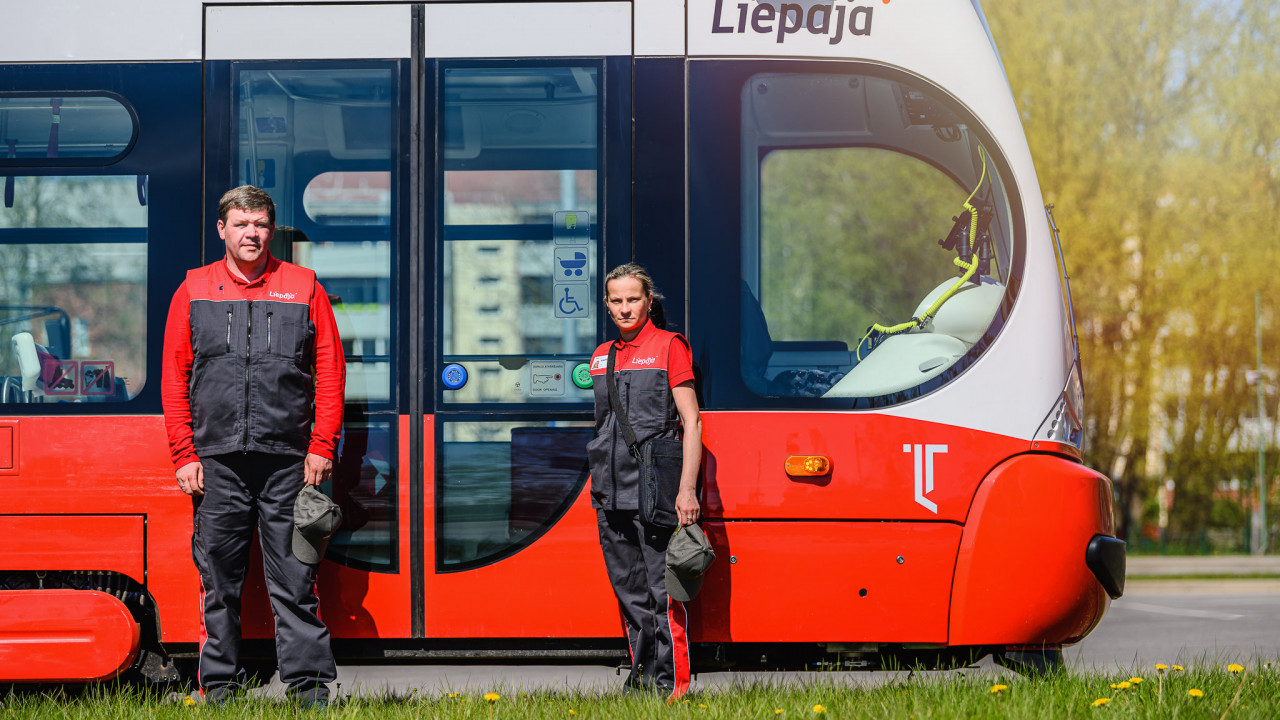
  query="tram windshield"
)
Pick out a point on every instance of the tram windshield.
point(877, 238)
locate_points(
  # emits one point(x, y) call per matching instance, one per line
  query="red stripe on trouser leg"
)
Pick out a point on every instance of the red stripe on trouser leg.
point(204, 637)
point(678, 620)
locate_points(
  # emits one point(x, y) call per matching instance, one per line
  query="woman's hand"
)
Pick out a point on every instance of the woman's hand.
point(687, 509)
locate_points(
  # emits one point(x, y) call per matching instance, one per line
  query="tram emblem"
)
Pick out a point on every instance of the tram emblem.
point(924, 472)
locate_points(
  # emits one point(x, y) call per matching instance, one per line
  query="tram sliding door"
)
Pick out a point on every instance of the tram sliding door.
point(531, 187)
point(464, 270)
point(325, 131)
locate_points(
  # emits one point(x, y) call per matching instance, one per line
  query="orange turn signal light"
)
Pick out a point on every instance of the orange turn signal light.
point(808, 465)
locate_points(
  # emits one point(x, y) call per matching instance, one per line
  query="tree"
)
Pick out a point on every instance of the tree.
point(1154, 129)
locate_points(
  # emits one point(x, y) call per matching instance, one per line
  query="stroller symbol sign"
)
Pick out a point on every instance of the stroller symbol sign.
point(572, 267)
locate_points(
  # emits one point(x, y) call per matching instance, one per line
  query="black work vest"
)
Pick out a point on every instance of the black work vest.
point(644, 390)
point(252, 388)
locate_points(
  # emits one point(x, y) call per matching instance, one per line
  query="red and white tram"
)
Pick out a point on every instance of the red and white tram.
point(836, 198)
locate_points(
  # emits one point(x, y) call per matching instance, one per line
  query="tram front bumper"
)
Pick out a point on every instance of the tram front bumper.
point(1105, 557)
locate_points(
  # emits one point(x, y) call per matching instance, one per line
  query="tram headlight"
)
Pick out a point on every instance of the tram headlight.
point(1065, 421)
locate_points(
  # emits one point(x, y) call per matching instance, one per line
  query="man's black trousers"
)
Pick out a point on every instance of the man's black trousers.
point(243, 491)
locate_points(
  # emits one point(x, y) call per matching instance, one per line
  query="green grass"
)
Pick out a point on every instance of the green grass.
point(1251, 693)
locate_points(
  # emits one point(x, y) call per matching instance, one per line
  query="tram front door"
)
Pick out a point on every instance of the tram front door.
point(453, 203)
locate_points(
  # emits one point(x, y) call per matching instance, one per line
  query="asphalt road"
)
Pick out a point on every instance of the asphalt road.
point(1187, 622)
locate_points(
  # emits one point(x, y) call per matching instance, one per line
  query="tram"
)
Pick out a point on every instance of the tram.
point(835, 197)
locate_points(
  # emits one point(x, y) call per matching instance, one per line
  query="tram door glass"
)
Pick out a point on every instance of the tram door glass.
point(518, 275)
point(73, 288)
point(322, 142)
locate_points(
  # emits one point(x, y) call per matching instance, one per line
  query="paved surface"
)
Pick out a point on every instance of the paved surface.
point(1187, 622)
point(1191, 622)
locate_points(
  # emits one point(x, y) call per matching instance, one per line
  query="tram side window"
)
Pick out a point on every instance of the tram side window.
point(73, 289)
point(506, 483)
point(846, 292)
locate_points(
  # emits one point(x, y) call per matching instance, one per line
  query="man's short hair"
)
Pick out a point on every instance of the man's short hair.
point(247, 198)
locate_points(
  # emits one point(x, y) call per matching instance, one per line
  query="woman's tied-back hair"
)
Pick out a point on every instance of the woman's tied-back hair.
point(635, 271)
point(246, 198)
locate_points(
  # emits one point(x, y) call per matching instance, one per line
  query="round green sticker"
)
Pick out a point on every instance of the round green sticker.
point(582, 376)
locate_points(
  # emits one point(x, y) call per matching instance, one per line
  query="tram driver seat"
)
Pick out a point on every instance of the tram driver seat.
point(27, 353)
point(904, 361)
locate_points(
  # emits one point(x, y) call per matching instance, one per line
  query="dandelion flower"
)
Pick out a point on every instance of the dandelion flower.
point(572, 711)
point(702, 705)
point(819, 709)
point(453, 695)
point(1235, 668)
point(1195, 692)
point(1135, 680)
point(188, 700)
point(998, 688)
point(1178, 668)
point(779, 711)
point(1123, 685)
point(492, 697)
point(1101, 701)
point(1161, 667)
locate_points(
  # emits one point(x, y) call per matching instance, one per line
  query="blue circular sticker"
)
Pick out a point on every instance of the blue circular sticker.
point(454, 376)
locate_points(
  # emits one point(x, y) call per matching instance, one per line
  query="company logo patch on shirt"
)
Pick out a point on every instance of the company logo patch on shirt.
point(600, 362)
point(644, 361)
point(282, 296)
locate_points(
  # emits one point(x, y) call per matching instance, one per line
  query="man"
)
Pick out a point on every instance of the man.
point(250, 348)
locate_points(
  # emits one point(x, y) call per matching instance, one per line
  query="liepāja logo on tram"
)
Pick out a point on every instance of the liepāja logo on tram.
point(836, 199)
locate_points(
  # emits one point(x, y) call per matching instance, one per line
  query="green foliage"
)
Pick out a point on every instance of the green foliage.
point(1156, 131)
point(849, 238)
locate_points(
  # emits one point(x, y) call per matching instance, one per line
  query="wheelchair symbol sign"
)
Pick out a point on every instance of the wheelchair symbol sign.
point(572, 300)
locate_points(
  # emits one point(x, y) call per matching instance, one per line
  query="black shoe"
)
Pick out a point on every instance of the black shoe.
point(221, 695)
point(313, 699)
point(635, 686)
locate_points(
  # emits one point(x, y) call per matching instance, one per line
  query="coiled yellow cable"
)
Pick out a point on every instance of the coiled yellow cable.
point(969, 267)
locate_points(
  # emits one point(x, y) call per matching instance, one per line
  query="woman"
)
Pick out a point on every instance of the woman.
point(654, 373)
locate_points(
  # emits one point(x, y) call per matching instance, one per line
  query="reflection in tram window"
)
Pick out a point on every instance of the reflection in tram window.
point(503, 484)
point(364, 486)
point(520, 144)
point(321, 142)
point(861, 273)
point(73, 289)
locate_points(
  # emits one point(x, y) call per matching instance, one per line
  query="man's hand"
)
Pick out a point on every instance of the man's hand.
point(316, 469)
point(191, 478)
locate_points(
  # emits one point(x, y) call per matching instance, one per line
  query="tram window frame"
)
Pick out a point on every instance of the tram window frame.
point(455, 486)
point(166, 98)
point(718, 213)
point(518, 232)
point(64, 160)
point(609, 239)
point(307, 166)
point(62, 346)
point(378, 417)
